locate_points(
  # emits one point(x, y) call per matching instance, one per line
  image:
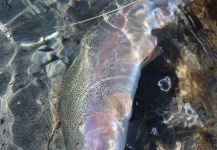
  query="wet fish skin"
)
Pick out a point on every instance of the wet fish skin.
point(98, 88)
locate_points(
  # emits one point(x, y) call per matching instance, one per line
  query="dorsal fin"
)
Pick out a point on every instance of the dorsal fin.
point(119, 104)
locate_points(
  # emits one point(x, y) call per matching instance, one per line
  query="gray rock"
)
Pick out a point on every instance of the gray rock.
point(10, 9)
point(33, 69)
point(40, 58)
point(32, 127)
point(55, 68)
point(37, 82)
point(42, 9)
point(24, 29)
point(7, 49)
point(28, 98)
point(5, 77)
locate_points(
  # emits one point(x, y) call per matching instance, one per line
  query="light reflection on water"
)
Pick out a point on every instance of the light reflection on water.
point(189, 117)
point(186, 113)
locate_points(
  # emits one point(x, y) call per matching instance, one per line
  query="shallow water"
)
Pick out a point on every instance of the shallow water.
point(185, 116)
point(34, 56)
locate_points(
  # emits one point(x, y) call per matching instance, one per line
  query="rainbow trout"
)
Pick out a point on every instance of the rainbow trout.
point(99, 87)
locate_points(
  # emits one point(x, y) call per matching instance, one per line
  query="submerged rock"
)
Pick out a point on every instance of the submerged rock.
point(55, 68)
point(33, 69)
point(29, 45)
point(41, 58)
point(28, 96)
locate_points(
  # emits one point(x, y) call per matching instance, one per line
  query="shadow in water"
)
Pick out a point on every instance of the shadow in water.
point(157, 121)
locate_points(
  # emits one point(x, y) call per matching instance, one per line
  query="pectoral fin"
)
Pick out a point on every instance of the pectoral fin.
point(149, 49)
point(119, 104)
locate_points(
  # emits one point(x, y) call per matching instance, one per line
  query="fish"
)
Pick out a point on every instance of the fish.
point(98, 89)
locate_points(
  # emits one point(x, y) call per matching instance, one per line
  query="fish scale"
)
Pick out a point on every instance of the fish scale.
point(109, 62)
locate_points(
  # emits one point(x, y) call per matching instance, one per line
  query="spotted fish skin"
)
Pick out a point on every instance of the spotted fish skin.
point(98, 88)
